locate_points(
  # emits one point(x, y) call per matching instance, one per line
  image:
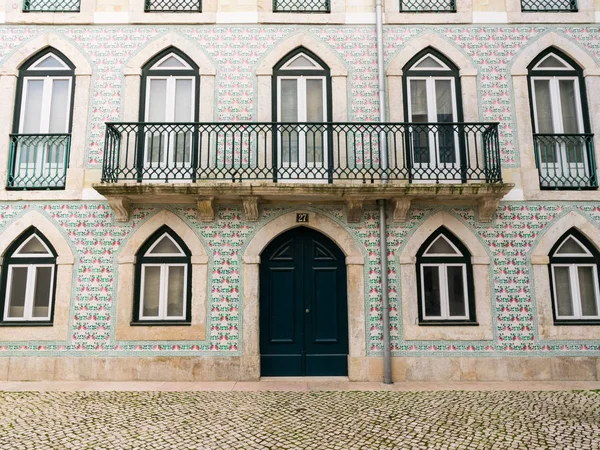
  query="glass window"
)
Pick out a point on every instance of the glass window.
point(163, 266)
point(444, 279)
point(574, 275)
point(29, 284)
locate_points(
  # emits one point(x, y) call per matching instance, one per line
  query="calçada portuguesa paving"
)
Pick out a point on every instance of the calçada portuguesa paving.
point(297, 416)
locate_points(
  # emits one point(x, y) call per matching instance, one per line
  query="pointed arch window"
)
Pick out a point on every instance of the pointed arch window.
point(302, 100)
point(574, 278)
point(163, 268)
point(433, 106)
point(563, 144)
point(169, 105)
point(28, 280)
point(445, 281)
point(40, 141)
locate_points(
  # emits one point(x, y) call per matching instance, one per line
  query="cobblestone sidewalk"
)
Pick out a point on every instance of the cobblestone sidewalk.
point(300, 420)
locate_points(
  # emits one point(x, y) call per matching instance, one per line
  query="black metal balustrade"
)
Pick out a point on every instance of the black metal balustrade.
point(51, 5)
point(301, 6)
point(549, 5)
point(38, 161)
point(565, 161)
point(433, 152)
point(173, 6)
point(422, 6)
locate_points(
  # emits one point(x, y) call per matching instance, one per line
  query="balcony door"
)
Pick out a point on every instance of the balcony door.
point(562, 152)
point(302, 87)
point(431, 87)
point(41, 143)
point(170, 106)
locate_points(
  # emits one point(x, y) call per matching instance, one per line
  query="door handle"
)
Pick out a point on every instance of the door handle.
point(307, 310)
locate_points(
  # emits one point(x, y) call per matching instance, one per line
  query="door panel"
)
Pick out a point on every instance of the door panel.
point(303, 306)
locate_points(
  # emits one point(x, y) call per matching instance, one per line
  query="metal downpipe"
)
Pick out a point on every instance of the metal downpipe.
point(387, 354)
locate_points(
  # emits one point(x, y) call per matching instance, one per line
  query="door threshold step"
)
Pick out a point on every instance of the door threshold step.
point(305, 379)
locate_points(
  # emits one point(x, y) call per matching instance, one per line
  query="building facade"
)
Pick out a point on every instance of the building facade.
point(189, 189)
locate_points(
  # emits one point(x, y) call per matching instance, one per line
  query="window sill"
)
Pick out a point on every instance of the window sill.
point(572, 323)
point(26, 324)
point(163, 323)
point(447, 323)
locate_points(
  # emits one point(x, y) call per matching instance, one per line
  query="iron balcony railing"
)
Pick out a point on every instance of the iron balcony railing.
point(51, 5)
point(38, 161)
point(301, 6)
point(427, 152)
point(428, 6)
point(565, 161)
point(549, 6)
point(174, 6)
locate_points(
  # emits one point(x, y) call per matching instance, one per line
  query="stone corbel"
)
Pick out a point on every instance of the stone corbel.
point(250, 204)
point(354, 207)
point(487, 208)
point(121, 207)
point(206, 209)
point(401, 208)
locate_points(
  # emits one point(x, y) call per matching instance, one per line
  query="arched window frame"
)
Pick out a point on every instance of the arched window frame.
point(443, 261)
point(573, 262)
point(142, 259)
point(10, 261)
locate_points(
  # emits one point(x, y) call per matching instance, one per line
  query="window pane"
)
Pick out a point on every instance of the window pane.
point(33, 106)
point(59, 108)
point(418, 101)
point(314, 113)
point(42, 293)
point(431, 287)
point(302, 61)
point(569, 106)
point(443, 100)
point(441, 247)
point(158, 101)
point(33, 247)
point(170, 63)
point(151, 291)
point(563, 291)
point(175, 291)
point(50, 62)
point(183, 101)
point(587, 290)
point(543, 106)
point(429, 63)
point(551, 62)
point(165, 246)
point(289, 113)
point(571, 247)
point(456, 291)
point(17, 289)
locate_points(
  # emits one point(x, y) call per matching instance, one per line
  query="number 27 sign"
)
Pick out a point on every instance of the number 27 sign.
point(302, 217)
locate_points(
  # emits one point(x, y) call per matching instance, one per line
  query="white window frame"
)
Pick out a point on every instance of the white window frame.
point(163, 296)
point(557, 116)
point(437, 255)
point(29, 293)
point(444, 297)
point(575, 290)
point(46, 101)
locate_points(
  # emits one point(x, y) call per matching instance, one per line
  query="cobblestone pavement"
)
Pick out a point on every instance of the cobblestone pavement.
point(300, 420)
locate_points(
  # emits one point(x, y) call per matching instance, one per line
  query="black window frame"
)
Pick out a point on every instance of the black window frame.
point(140, 259)
point(469, 288)
point(8, 259)
point(594, 259)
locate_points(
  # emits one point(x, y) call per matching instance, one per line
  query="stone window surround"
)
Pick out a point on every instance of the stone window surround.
point(125, 285)
point(467, 74)
point(541, 278)
point(337, 15)
point(15, 14)
point(338, 73)
point(58, 330)
point(393, 16)
point(9, 72)
point(585, 14)
point(358, 363)
point(480, 262)
point(519, 73)
point(137, 14)
point(133, 74)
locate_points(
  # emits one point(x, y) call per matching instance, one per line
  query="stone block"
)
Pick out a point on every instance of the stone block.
point(37, 368)
point(529, 369)
point(574, 369)
point(432, 369)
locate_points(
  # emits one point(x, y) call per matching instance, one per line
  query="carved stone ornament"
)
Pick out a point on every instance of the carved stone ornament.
point(401, 208)
point(354, 207)
point(206, 209)
point(250, 204)
point(487, 208)
point(121, 207)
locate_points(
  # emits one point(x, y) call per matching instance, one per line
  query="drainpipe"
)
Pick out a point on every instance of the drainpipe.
point(387, 355)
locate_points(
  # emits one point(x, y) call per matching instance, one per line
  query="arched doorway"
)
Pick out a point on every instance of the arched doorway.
point(303, 306)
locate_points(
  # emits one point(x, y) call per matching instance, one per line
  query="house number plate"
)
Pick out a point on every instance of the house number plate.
point(302, 217)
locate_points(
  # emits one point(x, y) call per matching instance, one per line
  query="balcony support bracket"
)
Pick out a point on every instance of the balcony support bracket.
point(250, 204)
point(121, 206)
point(354, 207)
point(206, 209)
point(401, 208)
point(487, 208)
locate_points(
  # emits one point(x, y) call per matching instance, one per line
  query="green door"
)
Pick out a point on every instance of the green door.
point(303, 306)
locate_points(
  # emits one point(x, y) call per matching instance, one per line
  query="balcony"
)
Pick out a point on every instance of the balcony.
point(38, 161)
point(301, 6)
point(306, 162)
point(565, 161)
point(51, 5)
point(428, 6)
point(552, 6)
point(173, 6)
